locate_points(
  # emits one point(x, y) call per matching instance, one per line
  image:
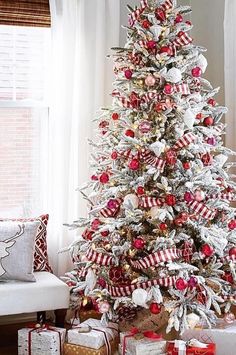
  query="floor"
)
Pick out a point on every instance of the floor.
point(8, 339)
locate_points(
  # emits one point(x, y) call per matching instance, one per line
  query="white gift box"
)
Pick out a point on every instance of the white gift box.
point(92, 334)
point(43, 342)
point(225, 339)
point(141, 346)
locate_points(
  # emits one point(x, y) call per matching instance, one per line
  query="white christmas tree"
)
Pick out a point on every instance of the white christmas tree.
point(160, 232)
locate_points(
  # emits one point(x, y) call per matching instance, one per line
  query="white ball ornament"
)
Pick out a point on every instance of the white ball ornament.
point(174, 75)
point(131, 200)
point(192, 320)
point(202, 63)
point(140, 297)
point(154, 212)
point(189, 118)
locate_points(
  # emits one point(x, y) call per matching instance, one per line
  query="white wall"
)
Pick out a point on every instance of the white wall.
point(207, 18)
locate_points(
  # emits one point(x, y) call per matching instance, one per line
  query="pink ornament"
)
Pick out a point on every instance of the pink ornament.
point(171, 157)
point(103, 307)
point(150, 80)
point(199, 195)
point(232, 224)
point(168, 89)
point(207, 159)
point(188, 197)
point(229, 318)
point(128, 74)
point(196, 72)
point(181, 284)
point(145, 126)
point(192, 282)
point(207, 250)
point(151, 44)
point(211, 141)
point(112, 203)
point(178, 18)
point(104, 178)
point(138, 243)
point(114, 155)
point(95, 224)
point(101, 282)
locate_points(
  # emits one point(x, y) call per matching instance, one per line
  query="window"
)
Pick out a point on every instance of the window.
point(24, 72)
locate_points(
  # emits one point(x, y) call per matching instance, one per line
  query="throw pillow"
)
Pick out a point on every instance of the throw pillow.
point(41, 262)
point(17, 242)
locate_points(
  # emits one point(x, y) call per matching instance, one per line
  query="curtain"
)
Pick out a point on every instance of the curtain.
point(230, 71)
point(82, 33)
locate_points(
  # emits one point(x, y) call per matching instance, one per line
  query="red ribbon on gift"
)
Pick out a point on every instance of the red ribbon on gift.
point(134, 331)
point(41, 328)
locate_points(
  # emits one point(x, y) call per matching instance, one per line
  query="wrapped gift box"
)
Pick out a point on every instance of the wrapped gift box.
point(92, 334)
point(138, 344)
point(71, 349)
point(225, 339)
point(41, 341)
point(173, 348)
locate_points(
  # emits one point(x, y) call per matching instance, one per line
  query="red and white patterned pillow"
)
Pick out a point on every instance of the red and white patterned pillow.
point(41, 262)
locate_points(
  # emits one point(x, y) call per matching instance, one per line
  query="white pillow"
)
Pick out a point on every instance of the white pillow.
point(17, 243)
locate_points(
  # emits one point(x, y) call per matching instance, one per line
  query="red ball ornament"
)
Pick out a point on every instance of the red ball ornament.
point(146, 24)
point(140, 190)
point(95, 224)
point(181, 33)
point(166, 49)
point(199, 116)
point(171, 157)
point(211, 102)
point(114, 155)
point(207, 250)
point(94, 178)
point(181, 284)
point(101, 282)
point(115, 116)
point(208, 121)
point(134, 164)
point(207, 159)
point(196, 72)
point(179, 18)
point(232, 252)
point(159, 107)
point(170, 200)
point(128, 74)
point(104, 178)
point(188, 23)
point(163, 226)
point(186, 165)
point(139, 243)
point(129, 133)
point(188, 197)
point(155, 308)
point(160, 15)
point(151, 44)
point(232, 224)
point(105, 234)
point(168, 89)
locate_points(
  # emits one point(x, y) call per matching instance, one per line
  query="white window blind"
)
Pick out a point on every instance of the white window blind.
point(24, 72)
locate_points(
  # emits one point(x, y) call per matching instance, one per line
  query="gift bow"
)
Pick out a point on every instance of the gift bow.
point(41, 328)
point(134, 331)
point(181, 345)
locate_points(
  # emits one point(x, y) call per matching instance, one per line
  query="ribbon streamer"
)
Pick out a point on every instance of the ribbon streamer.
point(148, 202)
point(182, 40)
point(151, 159)
point(202, 210)
point(184, 141)
point(100, 258)
point(133, 17)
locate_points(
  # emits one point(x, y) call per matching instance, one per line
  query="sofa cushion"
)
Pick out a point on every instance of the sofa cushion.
point(17, 241)
point(47, 293)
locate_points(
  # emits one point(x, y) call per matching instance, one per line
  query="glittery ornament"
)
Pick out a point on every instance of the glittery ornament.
point(139, 243)
point(181, 284)
point(211, 141)
point(134, 164)
point(115, 116)
point(168, 89)
point(104, 178)
point(114, 155)
point(232, 224)
point(128, 74)
point(199, 116)
point(155, 308)
point(199, 195)
point(151, 44)
point(170, 200)
point(165, 49)
point(112, 203)
point(160, 14)
point(211, 102)
point(179, 18)
point(186, 165)
point(104, 233)
point(131, 200)
point(232, 252)
point(188, 196)
point(163, 226)
point(229, 318)
point(192, 282)
point(95, 224)
point(207, 250)
point(150, 80)
point(208, 121)
point(207, 159)
point(196, 72)
point(140, 190)
point(145, 126)
point(159, 107)
point(146, 24)
point(171, 157)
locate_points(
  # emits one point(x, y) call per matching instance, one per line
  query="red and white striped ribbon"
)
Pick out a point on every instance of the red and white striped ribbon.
point(111, 212)
point(152, 160)
point(202, 210)
point(150, 96)
point(142, 44)
point(122, 291)
point(184, 141)
point(182, 40)
point(228, 196)
point(99, 258)
point(182, 89)
point(167, 5)
point(148, 202)
point(124, 101)
point(156, 258)
point(133, 17)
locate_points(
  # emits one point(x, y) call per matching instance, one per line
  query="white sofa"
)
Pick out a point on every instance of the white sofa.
point(47, 293)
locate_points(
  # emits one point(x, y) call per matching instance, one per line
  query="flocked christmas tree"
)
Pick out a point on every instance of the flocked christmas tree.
point(160, 232)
